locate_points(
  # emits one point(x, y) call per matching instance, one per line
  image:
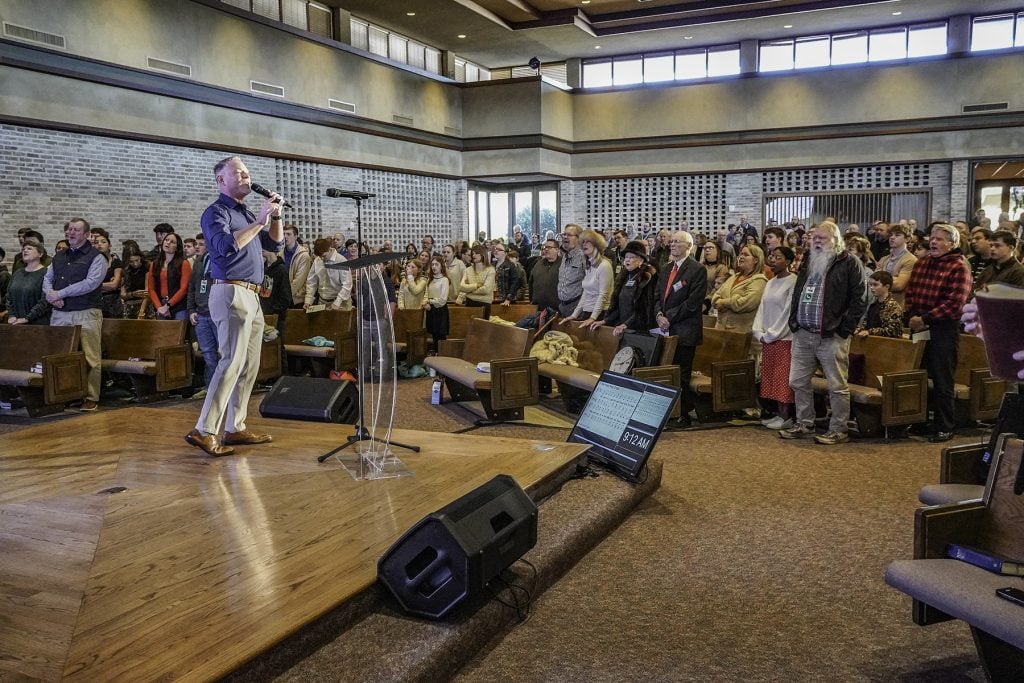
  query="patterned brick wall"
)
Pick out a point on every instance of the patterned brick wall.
point(128, 187)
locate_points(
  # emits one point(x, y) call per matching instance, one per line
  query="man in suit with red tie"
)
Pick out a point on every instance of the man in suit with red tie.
point(682, 285)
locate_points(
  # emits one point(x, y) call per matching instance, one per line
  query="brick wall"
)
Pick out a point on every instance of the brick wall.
point(128, 187)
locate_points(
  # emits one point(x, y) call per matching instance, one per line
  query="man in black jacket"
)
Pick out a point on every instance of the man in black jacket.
point(682, 285)
point(828, 302)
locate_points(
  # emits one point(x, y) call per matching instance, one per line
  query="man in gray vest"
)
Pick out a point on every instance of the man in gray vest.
point(72, 285)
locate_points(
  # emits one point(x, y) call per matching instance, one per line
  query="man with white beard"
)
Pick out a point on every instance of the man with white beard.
point(828, 302)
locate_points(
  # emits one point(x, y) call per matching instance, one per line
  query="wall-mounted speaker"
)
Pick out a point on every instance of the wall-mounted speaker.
point(454, 553)
point(313, 399)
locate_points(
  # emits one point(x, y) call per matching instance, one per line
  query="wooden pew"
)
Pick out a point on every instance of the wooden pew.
point(723, 377)
point(154, 353)
point(63, 377)
point(337, 326)
point(270, 353)
point(595, 351)
point(459, 317)
point(892, 391)
point(512, 313)
point(978, 393)
point(508, 387)
point(411, 336)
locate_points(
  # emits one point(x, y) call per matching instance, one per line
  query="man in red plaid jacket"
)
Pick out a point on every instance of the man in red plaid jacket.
point(938, 289)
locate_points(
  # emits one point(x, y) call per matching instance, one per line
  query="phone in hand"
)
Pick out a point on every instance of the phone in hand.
point(1015, 595)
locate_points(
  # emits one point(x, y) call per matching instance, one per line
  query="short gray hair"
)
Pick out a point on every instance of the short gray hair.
point(954, 234)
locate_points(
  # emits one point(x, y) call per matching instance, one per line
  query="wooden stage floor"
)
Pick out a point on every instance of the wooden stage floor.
point(201, 563)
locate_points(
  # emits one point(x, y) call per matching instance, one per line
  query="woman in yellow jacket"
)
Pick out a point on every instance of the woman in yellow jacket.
point(738, 298)
point(413, 287)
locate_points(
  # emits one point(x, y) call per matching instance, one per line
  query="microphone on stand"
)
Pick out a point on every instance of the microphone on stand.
point(348, 194)
point(259, 189)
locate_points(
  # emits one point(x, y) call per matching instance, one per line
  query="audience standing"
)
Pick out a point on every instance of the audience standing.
point(597, 280)
point(197, 303)
point(633, 298)
point(899, 262)
point(828, 302)
point(72, 285)
point(478, 280)
point(682, 285)
point(940, 285)
point(25, 302)
point(1004, 267)
point(298, 260)
point(885, 315)
point(736, 301)
point(436, 300)
point(570, 270)
point(544, 276)
point(771, 329)
point(168, 280)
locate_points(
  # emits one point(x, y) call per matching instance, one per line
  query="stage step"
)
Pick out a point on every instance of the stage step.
point(369, 639)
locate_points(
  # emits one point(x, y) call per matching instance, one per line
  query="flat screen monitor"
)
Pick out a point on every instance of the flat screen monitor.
point(622, 421)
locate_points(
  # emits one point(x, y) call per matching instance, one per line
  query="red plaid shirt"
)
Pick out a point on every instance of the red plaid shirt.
point(939, 287)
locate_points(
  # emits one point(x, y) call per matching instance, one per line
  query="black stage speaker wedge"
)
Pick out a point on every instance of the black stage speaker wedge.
point(314, 399)
point(453, 553)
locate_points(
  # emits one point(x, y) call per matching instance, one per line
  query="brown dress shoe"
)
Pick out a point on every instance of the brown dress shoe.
point(245, 437)
point(207, 442)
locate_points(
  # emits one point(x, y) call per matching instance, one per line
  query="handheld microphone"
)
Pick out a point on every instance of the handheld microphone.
point(348, 194)
point(259, 189)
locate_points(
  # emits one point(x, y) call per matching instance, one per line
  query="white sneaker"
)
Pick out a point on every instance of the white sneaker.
point(770, 420)
point(5, 405)
point(778, 423)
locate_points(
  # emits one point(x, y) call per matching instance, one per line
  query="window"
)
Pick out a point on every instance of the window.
point(628, 71)
point(992, 33)
point(887, 45)
point(597, 74)
point(776, 55)
point(926, 41)
point(494, 209)
point(812, 52)
point(692, 65)
point(360, 35)
point(398, 48)
point(849, 48)
point(658, 68)
point(724, 61)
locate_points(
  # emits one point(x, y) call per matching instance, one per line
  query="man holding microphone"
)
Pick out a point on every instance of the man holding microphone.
point(235, 239)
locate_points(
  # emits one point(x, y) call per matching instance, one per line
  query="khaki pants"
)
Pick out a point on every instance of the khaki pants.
point(91, 321)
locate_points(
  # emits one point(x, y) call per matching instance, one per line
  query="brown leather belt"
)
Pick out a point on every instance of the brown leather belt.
point(238, 283)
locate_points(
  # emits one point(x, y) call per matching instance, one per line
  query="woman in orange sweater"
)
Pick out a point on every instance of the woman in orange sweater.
point(168, 278)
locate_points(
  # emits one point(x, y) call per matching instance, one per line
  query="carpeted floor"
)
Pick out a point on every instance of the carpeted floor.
point(757, 559)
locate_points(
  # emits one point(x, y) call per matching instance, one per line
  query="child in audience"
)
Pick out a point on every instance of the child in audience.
point(436, 300)
point(884, 317)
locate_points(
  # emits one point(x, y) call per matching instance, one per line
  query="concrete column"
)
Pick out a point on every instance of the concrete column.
point(574, 72)
point(958, 34)
point(748, 57)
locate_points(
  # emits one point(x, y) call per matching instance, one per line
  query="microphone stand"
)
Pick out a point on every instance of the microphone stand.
point(362, 433)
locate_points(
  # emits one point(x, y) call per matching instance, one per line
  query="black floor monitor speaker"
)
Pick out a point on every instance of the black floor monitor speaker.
point(314, 399)
point(453, 553)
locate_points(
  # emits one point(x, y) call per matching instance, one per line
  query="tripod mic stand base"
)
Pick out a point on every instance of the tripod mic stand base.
point(369, 458)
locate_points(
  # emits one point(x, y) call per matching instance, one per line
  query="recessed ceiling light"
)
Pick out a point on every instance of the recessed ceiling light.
point(584, 2)
point(597, 47)
point(462, 35)
point(787, 26)
point(896, 14)
point(410, 14)
point(687, 37)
